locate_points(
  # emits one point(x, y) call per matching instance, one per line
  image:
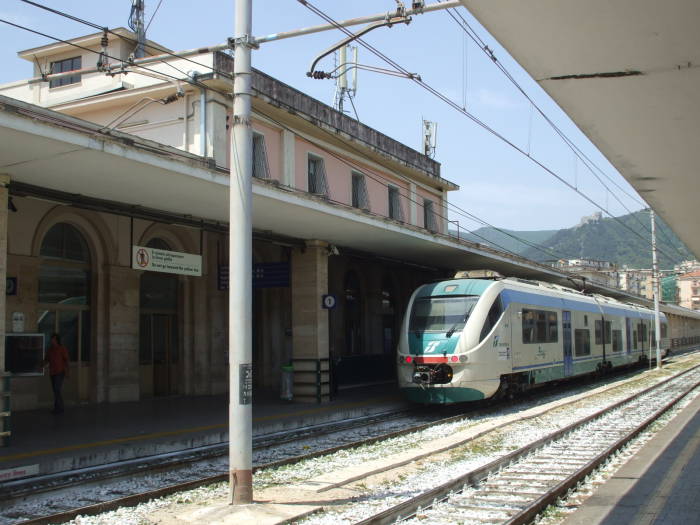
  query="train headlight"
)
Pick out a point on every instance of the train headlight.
point(463, 358)
point(454, 358)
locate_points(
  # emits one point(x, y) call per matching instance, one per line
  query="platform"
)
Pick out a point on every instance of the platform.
point(659, 485)
point(83, 436)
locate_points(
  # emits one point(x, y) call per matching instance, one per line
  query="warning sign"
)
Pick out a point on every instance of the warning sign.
point(166, 261)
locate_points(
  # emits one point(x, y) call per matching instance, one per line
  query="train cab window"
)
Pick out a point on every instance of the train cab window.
point(539, 326)
point(492, 318)
point(446, 314)
point(582, 339)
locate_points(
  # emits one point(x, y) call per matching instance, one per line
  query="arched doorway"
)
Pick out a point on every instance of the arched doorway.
point(64, 302)
point(158, 330)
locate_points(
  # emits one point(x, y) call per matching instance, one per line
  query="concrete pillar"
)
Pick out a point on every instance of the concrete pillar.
point(4, 181)
point(310, 322)
point(288, 159)
point(123, 334)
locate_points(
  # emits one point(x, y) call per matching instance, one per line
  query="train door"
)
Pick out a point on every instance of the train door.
point(568, 355)
point(628, 335)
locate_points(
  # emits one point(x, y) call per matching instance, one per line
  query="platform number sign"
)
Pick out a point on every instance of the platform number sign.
point(329, 302)
point(245, 384)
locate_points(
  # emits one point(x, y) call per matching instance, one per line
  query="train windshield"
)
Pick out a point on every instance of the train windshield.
point(441, 313)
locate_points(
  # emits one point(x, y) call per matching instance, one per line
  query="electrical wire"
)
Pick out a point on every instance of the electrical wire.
point(585, 159)
point(153, 15)
point(457, 210)
point(124, 63)
point(466, 113)
point(462, 213)
point(125, 38)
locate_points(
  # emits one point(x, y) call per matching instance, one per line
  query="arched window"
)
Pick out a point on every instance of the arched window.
point(64, 295)
point(353, 314)
point(158, 329)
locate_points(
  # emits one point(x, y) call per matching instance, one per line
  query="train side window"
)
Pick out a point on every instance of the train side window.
point(634, 339)
point(642, 336)
point(617, 340)
point(608, 332)
point(598, 332)
point(552, 328)
point(664, 330)
point(585, 321)
point(539, 326)
point(491, 318)
point(582, 337)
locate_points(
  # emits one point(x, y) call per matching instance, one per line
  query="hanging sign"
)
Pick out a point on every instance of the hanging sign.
point(165, 261)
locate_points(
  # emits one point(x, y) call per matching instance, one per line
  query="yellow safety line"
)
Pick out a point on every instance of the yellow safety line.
point(156, 435)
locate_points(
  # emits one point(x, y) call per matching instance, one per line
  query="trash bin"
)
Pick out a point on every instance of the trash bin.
point(287, 383)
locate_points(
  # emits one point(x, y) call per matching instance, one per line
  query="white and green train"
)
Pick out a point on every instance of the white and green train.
point(469, 339)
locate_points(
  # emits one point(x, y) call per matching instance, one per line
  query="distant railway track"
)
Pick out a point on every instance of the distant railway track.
point(516, 487)
point(16, 496)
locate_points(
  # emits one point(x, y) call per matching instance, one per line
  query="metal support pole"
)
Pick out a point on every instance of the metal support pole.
point(240, 261)
point(655, 285)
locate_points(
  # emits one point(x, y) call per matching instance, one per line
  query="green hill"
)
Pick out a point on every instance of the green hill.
point(595, 237)
point(608, 240)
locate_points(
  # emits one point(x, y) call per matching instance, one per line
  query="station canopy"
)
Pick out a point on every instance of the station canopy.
point(627, 72)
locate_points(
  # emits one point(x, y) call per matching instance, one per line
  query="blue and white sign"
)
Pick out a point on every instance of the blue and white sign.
point(329, 302)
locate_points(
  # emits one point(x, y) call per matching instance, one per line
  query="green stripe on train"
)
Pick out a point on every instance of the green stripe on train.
point(442, 395)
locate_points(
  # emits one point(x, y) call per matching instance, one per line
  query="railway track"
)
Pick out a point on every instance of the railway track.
point(165, 476)
point(515, 488)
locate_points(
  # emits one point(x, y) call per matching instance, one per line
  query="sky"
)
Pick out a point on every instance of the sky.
point(497, 184)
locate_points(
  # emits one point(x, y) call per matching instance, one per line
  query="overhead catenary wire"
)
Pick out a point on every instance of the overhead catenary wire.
point(466, 113)
point(125, 63)
point(194, 82)
point(125, 38)
point(463, 23)
point(406, 194)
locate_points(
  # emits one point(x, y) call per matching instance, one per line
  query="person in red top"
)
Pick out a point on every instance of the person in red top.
point(57, 361)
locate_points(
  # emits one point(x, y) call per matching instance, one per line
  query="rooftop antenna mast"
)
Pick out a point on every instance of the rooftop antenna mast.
point(429, 138)
point(138, 25)
point(345, 88)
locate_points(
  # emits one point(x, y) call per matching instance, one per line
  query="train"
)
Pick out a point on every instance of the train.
point(468, 339)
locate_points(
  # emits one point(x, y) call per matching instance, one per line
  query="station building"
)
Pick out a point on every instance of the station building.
point(101, 164)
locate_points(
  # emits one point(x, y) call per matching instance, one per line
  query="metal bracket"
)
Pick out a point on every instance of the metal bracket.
point(245, 40)
point(384, 23)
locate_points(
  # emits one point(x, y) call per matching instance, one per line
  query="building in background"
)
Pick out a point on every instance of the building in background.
point(689, 290)
point(601, 272)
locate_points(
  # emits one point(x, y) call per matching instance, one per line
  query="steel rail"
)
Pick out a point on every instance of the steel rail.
point(408, 508)
point(303, 433)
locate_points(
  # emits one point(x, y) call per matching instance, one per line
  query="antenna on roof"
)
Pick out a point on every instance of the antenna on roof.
point(138, 25)
point(345, 88)
point(429, 138)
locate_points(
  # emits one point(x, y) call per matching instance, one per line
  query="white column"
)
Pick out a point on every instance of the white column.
point(241, 270)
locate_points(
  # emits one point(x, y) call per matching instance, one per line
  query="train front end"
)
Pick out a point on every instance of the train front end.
point(446, 349)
